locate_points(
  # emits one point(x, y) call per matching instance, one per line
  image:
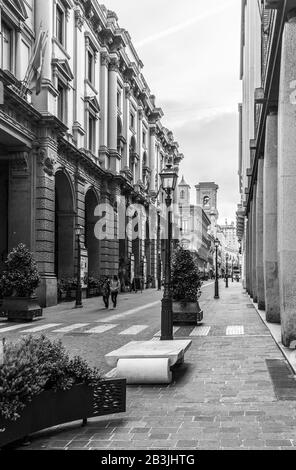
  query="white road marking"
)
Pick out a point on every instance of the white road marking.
point(175, 329)
point(12, 328)
point(69, 328)
point(40, 328)
point(128, 312)
point(134, 330)
point(200, 331)
point(235, 330)
point(101, 329)
point(209, 284)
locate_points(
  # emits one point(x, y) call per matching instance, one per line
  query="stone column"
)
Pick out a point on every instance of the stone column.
point(246, 237)
point(18, 59)
point(259, 238)
point(270, 255)
point(46, 157)
point(140, 147)
point(287, 183)
point(152, 158)
point(126, 115)
point(104, 109)
point(250, 257)
point(112, 105)
point(112, 114)
point(254, 246)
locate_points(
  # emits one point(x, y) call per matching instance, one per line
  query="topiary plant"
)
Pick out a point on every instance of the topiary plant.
point(185, 281)
point(21, 277)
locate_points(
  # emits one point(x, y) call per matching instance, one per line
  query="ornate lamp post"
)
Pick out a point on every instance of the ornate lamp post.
point(169, 178)
point(226, 280)
point(217, 243)
point(78, 303)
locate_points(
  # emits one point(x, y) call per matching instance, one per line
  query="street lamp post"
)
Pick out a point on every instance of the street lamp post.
point(217, 243)
point(227, 256)
point(231, 269)
point(158, 252)
point(78, 303)
point(169, 178)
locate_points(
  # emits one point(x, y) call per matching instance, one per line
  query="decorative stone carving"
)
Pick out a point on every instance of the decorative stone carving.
point(105, 59)
point(114, 65)
point(46, 161)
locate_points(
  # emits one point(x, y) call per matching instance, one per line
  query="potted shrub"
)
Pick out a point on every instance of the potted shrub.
point(18, 284)
point(93, 286)
point(186, 286)
point(41, 387)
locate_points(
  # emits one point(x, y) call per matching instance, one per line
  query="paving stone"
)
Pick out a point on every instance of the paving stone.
point(222, 398)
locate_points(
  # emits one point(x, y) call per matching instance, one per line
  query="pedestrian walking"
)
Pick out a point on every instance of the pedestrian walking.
point(114, 287)
point(106, 292)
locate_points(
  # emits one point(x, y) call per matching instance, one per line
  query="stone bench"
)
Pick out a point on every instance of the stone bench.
point(143, 362)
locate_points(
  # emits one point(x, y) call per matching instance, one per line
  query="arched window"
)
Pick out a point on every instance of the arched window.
point(182, 194)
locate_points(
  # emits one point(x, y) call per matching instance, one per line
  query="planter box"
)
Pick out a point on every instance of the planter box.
point(187, 313)
point(93, 292)
point(53, 408)
point(21, 308)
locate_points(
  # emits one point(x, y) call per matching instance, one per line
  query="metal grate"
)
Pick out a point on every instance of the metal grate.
point(283, 381)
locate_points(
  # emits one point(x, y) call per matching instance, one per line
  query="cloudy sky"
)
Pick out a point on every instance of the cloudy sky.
point(190, 52)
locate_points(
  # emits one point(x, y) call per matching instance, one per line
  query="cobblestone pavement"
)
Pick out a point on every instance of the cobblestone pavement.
point(223, 397)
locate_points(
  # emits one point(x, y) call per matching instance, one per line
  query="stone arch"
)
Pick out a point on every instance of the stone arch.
point(92, 244)
point(64, 225)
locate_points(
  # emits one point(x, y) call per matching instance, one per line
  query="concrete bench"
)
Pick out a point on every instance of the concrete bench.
point(143, 362)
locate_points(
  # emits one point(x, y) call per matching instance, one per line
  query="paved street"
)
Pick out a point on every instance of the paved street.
point(235, 390)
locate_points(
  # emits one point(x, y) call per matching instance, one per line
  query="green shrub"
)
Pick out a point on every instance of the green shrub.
point(185, 282)
point(33, 365)
point(21, 276)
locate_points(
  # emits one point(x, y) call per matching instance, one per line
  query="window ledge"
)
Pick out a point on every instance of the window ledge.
point(91, 86)
point(61, 46)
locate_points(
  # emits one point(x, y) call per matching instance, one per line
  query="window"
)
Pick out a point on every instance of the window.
point(90, 66)
point(91, 133)
point(144, 138)
point(61, 102)
point(182, 194)
point(7, 52)
point(132, 121)
point(119, 100)
point(60, 21)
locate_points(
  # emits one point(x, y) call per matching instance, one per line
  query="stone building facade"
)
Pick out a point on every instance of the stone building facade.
point(87, 136)
point(267, 211)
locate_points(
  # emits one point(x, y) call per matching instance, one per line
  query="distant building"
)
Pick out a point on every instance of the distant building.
point(195, 223)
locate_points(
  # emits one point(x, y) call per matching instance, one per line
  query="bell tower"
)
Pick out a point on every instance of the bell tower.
point(206, 197)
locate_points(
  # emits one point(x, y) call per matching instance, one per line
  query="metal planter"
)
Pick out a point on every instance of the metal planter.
point(21, 308)
point(52, 408)
point(188, 313)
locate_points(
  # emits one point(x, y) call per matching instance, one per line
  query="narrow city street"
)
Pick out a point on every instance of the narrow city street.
point(235, 390)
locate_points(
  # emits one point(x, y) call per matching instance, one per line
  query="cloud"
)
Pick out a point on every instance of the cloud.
point(183, 25)
point(202, 116)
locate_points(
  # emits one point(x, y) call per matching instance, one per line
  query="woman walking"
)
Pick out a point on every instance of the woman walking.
point(114, 287)
point(106, 292)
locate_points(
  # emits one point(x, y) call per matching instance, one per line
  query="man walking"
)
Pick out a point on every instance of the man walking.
point(114, 287)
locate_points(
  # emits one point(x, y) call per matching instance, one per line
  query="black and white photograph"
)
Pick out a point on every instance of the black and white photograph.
point(147, 216)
